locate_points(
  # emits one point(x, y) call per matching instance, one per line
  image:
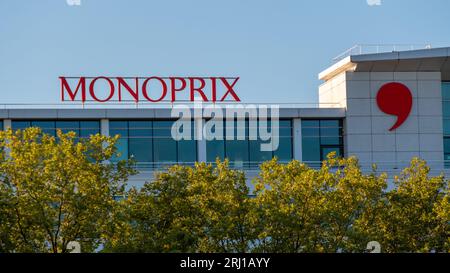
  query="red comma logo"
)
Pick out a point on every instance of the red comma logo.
point(395, 99)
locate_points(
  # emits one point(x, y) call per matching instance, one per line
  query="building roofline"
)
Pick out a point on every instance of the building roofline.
point(423, 60)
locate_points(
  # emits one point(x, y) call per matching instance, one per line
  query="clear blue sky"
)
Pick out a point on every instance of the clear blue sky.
point(276, 47)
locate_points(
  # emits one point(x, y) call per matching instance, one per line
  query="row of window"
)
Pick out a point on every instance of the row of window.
point(248, 152)
point(151, 143)
point(81, 128)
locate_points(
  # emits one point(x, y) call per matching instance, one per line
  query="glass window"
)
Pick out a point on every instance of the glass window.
point(447, 145)
point(16, 125)
point(187, 149)
point(237, 151)
point(447, 127)
point(319, 138)
point(446, 109)
point(215, 148)
point(68, 126)
point(152, 141)
point(330, 132)
point(47, 127)
point(140, 141)
point(120, 128)
point(311, 149)
point(81, 128)
point(446, 91)
point(447, 151)
point(242, 153)
point(311, 128)
point(284, 152)
point(446, 121)
point(255, 153)
point(311, 141)
point(88, 128)
point(165, 147)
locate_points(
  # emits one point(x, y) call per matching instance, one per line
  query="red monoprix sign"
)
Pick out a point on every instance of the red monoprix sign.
point(395, 99)
point(151, 89)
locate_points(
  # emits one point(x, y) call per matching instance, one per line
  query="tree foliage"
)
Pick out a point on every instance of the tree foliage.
point(414, 216)
point(305, 210)
point(54, 190)
point(199, 209)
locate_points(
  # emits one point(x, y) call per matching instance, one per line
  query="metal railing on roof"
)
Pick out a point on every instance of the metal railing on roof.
point(360, 49)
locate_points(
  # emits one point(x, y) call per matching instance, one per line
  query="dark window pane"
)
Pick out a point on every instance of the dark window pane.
point(446, 109)
point(47, 127)
point(187, 151)
point(329, 124)
point(447, 160)
point(446, 114)
point(330, 140)
point(16, 125)
point(286, 128)
point(284, 152)
point(310, 128)
point(256, 155)
point(310, 123)
point(90, 124)
point(68, 126)
point(311, 149)
point(237, 151)
point(141, 149)
point(320, 137)
point(164, 146)
point(88, 128)
point(330, 132)
point(118, 128)
point(140, 128)
point(165, 150)
point(43, 124)
point(122, 149)
point(140, 141)
point(447, 127)
point(162, 129)
point(215, 149)
point(118, 124)
point(446, 90)
point(447, 145)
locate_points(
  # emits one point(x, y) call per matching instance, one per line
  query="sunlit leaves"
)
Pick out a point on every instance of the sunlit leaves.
point(56, 189)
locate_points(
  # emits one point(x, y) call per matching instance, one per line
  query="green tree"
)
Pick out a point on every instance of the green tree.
point(204, 208)
point(54, 190)
point(305, 210)
point(415, 215)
